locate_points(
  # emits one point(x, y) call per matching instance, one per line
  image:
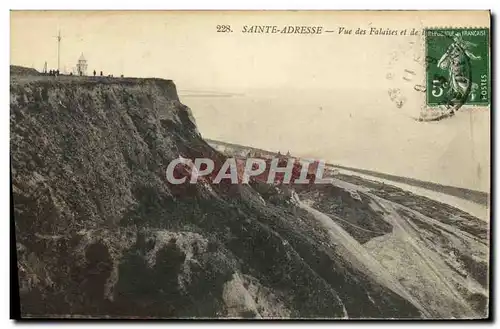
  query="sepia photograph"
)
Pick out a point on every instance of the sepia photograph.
point(318, 165)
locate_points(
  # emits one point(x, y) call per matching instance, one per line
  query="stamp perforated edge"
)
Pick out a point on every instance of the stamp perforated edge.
point(433, 105)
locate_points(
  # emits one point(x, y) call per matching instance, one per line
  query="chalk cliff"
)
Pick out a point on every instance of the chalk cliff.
point(100, 231)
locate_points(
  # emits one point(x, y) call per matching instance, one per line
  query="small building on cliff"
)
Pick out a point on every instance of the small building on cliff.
point(81, 66)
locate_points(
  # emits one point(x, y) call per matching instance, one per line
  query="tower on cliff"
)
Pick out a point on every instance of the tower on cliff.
point(81, 66)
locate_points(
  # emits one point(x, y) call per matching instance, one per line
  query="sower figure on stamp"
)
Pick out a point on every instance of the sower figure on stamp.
point(454, 59)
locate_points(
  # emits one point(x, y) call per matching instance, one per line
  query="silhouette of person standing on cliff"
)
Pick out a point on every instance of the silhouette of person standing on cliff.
point(101, 73)
point(94, 73)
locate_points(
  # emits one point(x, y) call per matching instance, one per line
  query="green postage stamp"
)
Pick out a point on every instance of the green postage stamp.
point(458, 66)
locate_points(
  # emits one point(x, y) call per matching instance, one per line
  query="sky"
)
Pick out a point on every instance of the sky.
point(185, 47)
point(324, 95)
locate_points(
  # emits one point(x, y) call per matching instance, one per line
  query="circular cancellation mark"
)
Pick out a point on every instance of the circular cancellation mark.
point(448, 73)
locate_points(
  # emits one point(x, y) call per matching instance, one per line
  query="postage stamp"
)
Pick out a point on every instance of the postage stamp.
point(458, 66)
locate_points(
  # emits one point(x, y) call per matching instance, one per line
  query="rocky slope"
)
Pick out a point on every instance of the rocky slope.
point(100, 231)
point(21, 70)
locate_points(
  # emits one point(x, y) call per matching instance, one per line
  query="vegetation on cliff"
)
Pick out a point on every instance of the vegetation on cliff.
point(100, 231)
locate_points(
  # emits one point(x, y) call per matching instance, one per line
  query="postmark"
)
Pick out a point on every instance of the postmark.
point(457, 70)
point(441, 90)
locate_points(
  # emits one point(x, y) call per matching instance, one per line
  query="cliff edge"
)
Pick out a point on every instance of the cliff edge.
point(100, 231)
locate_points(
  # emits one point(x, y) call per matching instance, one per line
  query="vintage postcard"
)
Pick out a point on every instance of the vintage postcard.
point(251, 164)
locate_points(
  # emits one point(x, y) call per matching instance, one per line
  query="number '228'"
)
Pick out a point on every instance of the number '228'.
point(224, 28)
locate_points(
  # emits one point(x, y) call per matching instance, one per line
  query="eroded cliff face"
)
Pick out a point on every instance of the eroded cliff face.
point(99, 230)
